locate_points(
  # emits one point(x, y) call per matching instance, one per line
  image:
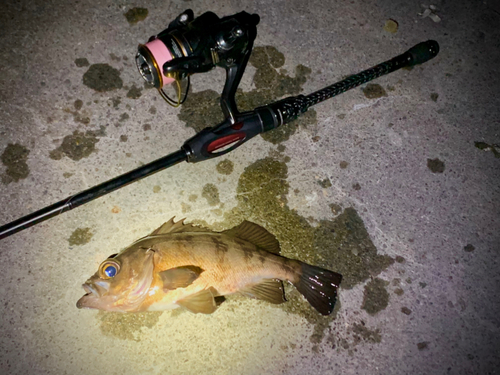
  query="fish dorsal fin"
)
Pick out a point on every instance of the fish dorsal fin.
point(173, 227)
point(270, 290)
point(256, 235)
point(201, 302)
point(179, 277)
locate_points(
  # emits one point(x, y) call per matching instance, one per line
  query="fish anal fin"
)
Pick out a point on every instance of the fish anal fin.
point(256, 235)
point(177, 227)
point(179, 277)
point(270, 290)
point(200, 302)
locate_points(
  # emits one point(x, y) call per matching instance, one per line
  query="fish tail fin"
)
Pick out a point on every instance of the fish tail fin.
point(319, 287)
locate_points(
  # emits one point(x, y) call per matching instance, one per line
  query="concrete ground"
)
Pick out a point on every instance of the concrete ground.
point(394, 184)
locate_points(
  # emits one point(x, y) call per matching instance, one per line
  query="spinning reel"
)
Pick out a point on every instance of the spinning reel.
point(196, 45)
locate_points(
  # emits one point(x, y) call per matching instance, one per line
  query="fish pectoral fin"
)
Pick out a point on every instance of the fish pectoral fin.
point(201, 302)
point(256, 235)
point(270, 290)
point(179, 277)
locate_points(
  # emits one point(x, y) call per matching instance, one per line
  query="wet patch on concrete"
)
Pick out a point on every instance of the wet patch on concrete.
point(405, 310)
point(225, 167)
point(123, 117)
point(81, 62)
point(78, 104)
point(80, 236)
point(15, 157)
point(136, 15)
point(435, 165)
point(495, 149)
point(77, 146)
point(102, 78)
point(357, 333)
point(202, 109)
point(127, 326)
point(374, 91)
point(77, 116)
point(270, 82)
point(134, 92)
point(347, 248)
point(391, 26)
point(422, 345)
point(469, 248)
point(375, 297)
point(341, 244)
point(361, 332)
point(211, 194)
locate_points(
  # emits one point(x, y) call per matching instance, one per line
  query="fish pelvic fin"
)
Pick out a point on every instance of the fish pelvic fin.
point(319, 287)
point(201, 302)
point(179, 277)
point(270, 290)
point(256, 235)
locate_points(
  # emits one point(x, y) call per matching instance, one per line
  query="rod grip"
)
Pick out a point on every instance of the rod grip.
point(423, 52)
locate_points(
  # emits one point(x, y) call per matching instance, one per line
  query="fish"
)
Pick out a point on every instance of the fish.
point(183, 265)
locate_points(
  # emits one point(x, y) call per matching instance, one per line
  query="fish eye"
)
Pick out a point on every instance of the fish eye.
point(109, 269)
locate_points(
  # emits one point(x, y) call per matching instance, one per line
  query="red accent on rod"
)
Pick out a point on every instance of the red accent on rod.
point(224, 141)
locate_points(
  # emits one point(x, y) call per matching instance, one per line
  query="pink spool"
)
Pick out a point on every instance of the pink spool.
point(161, 55)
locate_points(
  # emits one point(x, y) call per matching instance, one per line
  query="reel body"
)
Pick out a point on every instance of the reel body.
point(196, 45)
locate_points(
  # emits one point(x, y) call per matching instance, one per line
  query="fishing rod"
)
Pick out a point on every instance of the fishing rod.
point(196, 45)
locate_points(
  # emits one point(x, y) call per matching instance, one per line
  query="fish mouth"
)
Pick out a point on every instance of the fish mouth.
point(90, 290)
point(89, 299)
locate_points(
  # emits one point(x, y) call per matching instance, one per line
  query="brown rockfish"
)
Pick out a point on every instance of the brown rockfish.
point(184, 265)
